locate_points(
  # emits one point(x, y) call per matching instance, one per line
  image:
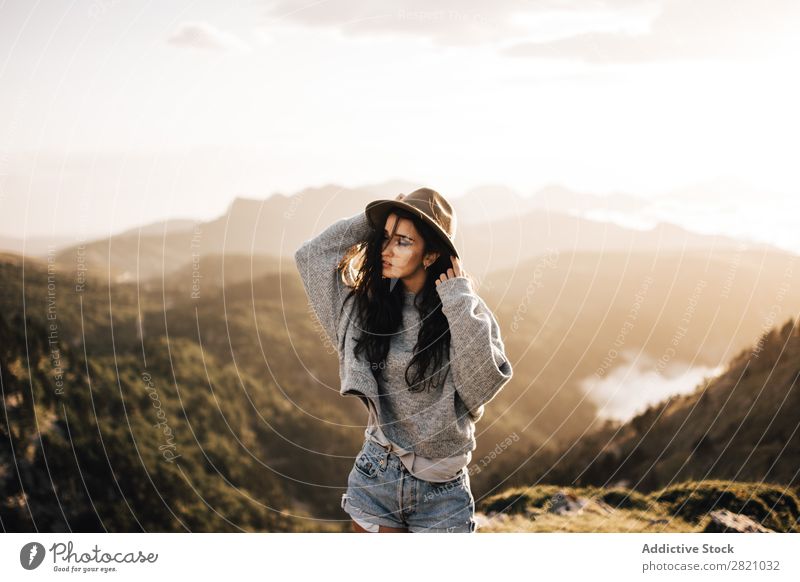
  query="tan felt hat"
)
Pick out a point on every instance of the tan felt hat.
point(428, 204)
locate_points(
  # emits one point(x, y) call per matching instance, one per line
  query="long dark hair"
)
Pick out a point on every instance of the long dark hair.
point(379, 310)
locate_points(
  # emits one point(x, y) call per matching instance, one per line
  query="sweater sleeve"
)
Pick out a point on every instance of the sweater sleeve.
point(480, 366)
point(317, 260)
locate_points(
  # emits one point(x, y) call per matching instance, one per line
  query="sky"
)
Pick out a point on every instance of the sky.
point(118, 113)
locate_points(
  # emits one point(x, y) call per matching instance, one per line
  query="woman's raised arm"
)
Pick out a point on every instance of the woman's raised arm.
point(317, 260)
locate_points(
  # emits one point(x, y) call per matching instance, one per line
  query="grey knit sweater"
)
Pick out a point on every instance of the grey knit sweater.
point(439, 422)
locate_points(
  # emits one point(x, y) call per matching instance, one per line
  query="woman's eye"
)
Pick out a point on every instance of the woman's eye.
point(402, 242)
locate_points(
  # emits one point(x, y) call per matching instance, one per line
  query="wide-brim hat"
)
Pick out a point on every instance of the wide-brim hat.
point(428, 204)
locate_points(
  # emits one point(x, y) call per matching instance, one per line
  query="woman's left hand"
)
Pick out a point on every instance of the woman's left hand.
point(451, 273)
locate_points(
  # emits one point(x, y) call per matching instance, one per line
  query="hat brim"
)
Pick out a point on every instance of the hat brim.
point(378, 210)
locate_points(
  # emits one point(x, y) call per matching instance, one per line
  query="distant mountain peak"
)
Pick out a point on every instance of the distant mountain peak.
point(243, 202)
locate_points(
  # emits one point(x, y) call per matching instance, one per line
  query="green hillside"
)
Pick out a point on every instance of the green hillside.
point(96, 437)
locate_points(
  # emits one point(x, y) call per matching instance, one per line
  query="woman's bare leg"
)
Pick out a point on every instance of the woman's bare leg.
point(384, 529)
point(381, 529)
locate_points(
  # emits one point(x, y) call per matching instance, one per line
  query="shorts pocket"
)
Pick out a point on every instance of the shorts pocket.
point(366, 464)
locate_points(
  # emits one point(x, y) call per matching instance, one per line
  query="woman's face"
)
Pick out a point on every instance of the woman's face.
point(403, 249)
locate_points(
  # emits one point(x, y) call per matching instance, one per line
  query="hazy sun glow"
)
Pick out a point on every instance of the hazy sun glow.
point(190, 104)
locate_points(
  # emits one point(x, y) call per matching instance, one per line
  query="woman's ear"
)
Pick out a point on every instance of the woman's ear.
point(430, 258)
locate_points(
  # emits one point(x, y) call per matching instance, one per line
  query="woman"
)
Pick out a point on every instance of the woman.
point(419, 347)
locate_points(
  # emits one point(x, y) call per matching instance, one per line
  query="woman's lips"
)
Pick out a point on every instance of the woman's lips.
point(385, 264)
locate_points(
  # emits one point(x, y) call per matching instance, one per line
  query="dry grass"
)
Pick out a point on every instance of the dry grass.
point(683, 507)
point(586, 522)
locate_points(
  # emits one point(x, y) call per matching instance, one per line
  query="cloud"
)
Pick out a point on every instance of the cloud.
point(599, 31)
point(685, 30)
point(201, 35)
point(445, 22)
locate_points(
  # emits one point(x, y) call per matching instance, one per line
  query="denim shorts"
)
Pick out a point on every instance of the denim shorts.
point(381, 491)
